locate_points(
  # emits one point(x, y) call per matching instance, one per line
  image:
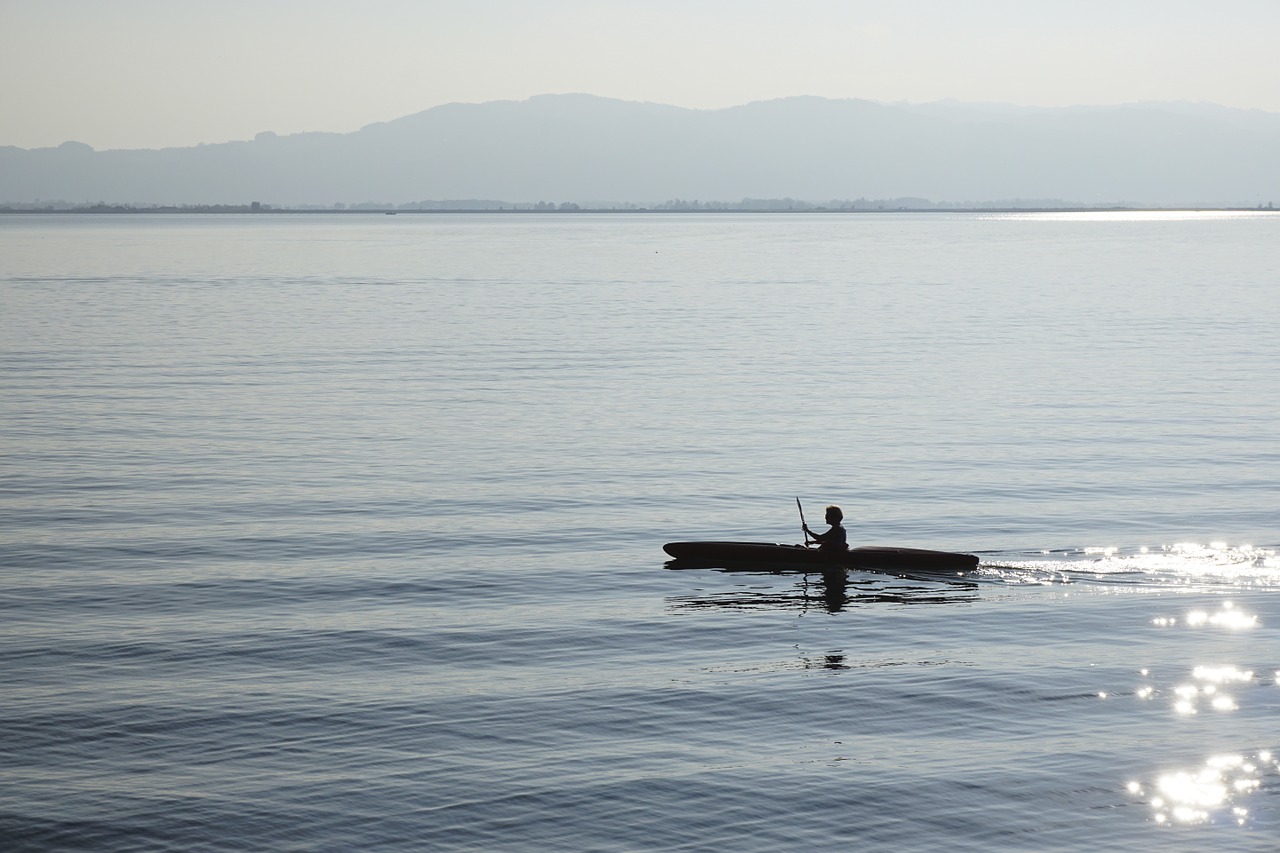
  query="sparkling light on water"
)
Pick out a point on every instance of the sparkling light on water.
point(1127, 215)
point(1221, 674)
point(1226, 617)
point(1183, 564)
point(1207, 793)
point(1211, 678)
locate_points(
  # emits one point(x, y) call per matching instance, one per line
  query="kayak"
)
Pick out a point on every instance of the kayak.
point(875, 557)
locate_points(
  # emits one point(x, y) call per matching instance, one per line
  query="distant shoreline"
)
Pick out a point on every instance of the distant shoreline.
point(223, 210)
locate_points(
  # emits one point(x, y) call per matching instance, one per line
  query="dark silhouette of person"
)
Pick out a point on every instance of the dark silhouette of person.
point(834, 539)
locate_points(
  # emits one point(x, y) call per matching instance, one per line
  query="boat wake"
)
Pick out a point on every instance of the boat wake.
point(1181, 565)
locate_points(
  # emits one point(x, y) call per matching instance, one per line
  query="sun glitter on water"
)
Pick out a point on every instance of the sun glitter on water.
point(1225, 617)
point(1208, 793)
point(1183, 565)
point(1206, 689)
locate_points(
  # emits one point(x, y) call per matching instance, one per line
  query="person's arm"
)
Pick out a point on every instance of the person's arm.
point(818, 537)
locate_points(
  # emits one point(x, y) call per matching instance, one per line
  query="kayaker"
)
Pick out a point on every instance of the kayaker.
point(835, 538)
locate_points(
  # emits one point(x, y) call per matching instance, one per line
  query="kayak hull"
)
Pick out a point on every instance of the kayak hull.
point(874, 557)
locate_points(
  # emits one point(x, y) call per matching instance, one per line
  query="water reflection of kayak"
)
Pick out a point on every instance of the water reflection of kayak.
point(874, 557)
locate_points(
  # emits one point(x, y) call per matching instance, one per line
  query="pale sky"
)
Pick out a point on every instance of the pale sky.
point(155, 73)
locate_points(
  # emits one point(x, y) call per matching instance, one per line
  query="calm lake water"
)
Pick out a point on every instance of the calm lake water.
point(344, 532)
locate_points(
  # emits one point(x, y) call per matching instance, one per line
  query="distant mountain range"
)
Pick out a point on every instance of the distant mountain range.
point(592, 150)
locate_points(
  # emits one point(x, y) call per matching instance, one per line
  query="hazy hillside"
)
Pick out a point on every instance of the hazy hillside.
point(584, 148)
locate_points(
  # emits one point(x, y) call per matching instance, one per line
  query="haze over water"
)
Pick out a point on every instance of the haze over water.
point(345, 532)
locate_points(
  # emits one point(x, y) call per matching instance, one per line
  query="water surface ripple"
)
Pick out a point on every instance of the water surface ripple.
point(339, 532)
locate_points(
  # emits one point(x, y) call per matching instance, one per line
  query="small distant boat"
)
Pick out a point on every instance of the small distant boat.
point(878, 558)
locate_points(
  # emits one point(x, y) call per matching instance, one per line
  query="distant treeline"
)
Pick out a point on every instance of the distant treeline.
point(484, 205)
point(39, 206)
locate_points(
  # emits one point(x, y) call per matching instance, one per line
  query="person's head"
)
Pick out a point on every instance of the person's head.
point(835, 515)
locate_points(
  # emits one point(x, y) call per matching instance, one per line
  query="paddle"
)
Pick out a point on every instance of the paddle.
point(804, 528)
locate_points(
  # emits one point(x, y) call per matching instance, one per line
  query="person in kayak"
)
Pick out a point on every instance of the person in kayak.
point(835, 538)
